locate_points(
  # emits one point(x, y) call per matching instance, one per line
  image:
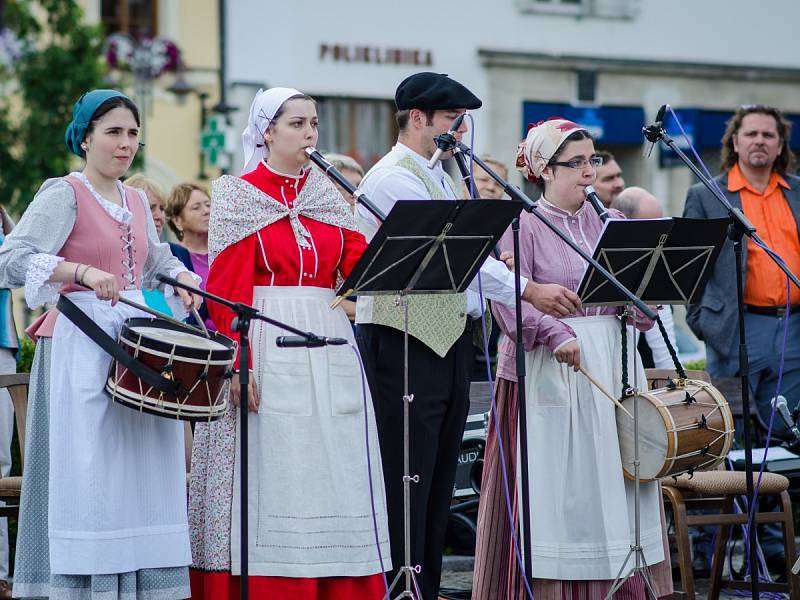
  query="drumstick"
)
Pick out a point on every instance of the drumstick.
point(155, 313)
point(199, 320)
point(602, 388)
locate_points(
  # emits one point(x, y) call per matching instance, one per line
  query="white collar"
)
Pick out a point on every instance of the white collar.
point(437, 172)
point(117, 212)
point(280, 174)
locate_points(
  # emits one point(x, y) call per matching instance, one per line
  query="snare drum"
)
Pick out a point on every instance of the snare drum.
point(201, 366)
point(681, 429)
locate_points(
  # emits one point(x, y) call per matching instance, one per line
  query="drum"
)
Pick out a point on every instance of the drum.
point(681, 430)
point(200, 365)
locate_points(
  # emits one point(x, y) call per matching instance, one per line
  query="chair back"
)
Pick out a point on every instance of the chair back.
point(17, 386)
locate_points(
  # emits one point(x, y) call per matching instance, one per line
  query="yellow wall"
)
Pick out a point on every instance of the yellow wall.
point(172, 128)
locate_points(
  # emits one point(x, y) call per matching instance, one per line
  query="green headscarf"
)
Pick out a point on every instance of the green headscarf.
point(82, 114)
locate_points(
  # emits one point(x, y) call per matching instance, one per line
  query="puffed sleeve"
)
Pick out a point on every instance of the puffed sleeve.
point(537, 327)
point(232, 275)
point(354, 245)
point(29, 254)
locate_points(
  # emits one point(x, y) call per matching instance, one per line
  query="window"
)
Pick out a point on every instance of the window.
point(619, 9)
point(138, 18)
point(363, 129)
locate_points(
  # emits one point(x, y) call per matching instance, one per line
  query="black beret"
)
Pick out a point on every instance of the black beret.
point(433, 91)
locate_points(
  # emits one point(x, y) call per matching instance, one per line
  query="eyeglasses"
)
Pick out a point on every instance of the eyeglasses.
point(579, 163)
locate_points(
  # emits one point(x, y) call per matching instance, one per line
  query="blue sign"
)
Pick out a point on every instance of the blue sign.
point(607, 124)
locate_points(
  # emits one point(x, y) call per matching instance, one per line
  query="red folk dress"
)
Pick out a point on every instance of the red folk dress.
point(272, 258)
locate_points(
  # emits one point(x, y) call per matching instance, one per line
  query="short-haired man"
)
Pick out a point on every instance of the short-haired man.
point(609, 182)
point(348, 167)
point(756, 161)
point(440, 327)
point(638, 203)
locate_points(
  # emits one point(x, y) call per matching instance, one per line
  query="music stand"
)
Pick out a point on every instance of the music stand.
point(426, 247)
point(663, 262)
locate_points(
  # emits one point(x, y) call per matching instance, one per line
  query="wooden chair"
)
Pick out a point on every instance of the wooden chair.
point(717, 490)
point(11, 487)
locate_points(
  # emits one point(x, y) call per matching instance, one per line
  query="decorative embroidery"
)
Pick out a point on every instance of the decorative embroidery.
point(240, 209)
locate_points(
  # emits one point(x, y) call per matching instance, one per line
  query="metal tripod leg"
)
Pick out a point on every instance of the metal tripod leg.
point(636, 551)
point(407, 571)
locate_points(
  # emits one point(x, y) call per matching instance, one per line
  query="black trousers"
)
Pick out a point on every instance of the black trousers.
point(440, 386)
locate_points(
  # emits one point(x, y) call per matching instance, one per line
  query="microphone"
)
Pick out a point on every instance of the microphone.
point(298, 341)
point(653, 132)
point(597, 204)
point(780, 405)
point(336, 176)
point(445, 141)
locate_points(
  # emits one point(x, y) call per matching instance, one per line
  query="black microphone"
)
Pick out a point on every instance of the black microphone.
point(597, 204)
point(298, 341)
point(780, 405)
point(653, 132)
point(445, 141)
point(334, 174)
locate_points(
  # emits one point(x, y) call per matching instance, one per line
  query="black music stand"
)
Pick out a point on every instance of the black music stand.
point(426, 247)
point(663, 261)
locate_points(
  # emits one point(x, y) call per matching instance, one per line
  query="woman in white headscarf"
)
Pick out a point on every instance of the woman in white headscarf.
point(581, 507)
point(279, 236)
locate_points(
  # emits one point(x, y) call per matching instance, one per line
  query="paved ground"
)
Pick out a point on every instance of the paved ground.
point(457, 576)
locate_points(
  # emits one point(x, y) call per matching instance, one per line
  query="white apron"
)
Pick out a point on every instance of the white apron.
point(581, 506)
point(117, 500)
point(309, 486)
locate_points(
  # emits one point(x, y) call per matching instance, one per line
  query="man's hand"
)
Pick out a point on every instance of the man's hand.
point(569, 354)
point(508, 258)
point(552, 299)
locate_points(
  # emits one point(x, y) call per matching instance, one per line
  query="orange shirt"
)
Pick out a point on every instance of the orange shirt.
point(771, 215)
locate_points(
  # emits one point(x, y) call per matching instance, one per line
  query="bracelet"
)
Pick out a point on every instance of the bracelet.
point(84, 274)
point(75, 274)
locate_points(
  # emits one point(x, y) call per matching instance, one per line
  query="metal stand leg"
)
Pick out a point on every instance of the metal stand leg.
point(636, 550)
point(407, 571)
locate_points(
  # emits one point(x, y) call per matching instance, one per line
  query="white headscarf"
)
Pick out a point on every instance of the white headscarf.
point(541, 144)
point(262, 111)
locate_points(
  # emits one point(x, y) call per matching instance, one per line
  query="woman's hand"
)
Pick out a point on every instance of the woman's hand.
point(189, 300)
point(253, 401)
point(104, 284)
point(569, 354)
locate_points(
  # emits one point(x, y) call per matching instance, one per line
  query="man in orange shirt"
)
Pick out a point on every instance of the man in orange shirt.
point(756, 161)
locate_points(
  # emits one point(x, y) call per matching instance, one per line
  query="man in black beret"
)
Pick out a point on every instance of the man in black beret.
point(440, 332)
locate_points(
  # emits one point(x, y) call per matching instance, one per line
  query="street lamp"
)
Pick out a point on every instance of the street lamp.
point(182, 88)
point(146, 59)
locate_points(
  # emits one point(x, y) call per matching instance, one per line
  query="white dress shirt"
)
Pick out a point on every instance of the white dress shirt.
point(384, 186)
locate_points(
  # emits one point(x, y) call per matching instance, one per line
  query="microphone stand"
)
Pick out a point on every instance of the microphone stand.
point(530, 206)
point(241, 323)
point(740, 226)
point(333, 173)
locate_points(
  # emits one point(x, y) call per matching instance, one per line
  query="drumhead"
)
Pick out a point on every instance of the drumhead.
point(167, 338)
point(181, 338)
point(653, 436)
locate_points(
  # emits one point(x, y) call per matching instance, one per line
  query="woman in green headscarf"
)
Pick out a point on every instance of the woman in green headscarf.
point(104, 485)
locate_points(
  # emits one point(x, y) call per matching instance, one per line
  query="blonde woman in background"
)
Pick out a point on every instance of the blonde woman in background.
point(188, 211)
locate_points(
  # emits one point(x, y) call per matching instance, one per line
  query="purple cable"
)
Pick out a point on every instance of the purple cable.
point(498, 437)
point(773, 254)
point(369, 468)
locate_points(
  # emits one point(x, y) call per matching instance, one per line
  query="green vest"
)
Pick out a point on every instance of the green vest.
point(436, 320)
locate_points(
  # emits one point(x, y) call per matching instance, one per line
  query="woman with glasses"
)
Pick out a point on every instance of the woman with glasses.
point(581, 507)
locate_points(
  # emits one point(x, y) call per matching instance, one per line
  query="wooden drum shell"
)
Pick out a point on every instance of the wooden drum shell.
point(670, 441)
point(206, 400)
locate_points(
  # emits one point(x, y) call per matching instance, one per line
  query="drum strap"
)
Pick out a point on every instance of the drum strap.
point(110, 345)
